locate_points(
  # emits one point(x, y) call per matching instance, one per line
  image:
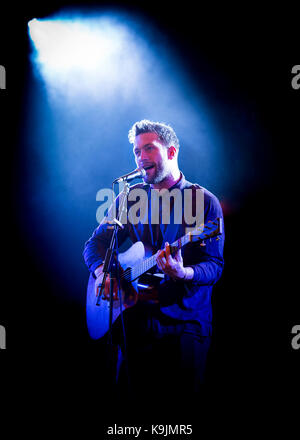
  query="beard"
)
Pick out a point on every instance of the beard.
point(157, 174)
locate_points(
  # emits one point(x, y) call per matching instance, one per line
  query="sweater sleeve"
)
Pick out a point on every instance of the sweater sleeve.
point(210, 256)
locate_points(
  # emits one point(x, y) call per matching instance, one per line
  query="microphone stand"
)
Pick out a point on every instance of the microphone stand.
point(110, 266)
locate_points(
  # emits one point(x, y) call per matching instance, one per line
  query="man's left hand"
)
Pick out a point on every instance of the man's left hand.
point(172, 266)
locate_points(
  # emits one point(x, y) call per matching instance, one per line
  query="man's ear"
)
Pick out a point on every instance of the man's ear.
point(171, 152)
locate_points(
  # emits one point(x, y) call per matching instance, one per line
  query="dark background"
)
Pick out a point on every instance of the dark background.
point(248, 54)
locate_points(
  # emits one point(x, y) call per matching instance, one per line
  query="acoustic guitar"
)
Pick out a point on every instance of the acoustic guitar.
point(132, 265)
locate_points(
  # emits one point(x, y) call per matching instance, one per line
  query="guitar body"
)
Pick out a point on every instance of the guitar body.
point(97, 316)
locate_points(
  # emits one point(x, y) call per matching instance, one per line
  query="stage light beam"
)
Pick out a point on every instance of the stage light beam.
point(88, 56)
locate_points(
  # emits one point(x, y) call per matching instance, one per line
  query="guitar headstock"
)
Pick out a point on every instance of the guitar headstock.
point(211, 229)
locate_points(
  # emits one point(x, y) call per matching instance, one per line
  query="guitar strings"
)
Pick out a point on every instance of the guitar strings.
point(127, 274)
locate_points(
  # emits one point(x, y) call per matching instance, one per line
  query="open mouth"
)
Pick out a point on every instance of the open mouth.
point(148, 167)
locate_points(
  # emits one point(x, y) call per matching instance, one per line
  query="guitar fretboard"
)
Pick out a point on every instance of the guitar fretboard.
point(150, 262)
point(209, 230)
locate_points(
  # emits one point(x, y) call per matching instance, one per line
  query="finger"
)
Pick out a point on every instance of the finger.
point(97, 286)
point(116, 289)
point(169, 258)
point(159, 265)
point(161, 260)
point(161, 255)
point(107, 286)
point(178, 256)
point(167, 249)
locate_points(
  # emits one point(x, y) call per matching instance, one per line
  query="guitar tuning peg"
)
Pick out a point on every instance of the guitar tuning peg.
point(218, 238)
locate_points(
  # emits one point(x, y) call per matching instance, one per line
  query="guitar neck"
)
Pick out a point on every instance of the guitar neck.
point(209, 230)
point(150, 262)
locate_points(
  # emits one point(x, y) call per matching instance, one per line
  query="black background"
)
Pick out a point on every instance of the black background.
point(247, 52)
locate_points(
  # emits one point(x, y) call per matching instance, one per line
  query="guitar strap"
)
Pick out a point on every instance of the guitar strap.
point(169, 232)
point(160, 233)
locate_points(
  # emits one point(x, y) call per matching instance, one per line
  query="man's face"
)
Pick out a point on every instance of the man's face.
point(151, 155)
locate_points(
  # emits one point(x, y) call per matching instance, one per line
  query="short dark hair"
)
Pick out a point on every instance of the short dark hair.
point(165, 132)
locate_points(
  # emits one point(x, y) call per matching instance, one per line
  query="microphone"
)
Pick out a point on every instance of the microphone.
point(138, 172)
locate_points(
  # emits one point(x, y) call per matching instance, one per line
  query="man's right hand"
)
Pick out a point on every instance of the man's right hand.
point(98, 282)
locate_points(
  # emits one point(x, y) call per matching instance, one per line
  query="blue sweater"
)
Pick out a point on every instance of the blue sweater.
point(187, 301)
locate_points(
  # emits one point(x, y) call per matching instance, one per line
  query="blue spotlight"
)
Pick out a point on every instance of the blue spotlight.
point(66, 45)
point(95, 56)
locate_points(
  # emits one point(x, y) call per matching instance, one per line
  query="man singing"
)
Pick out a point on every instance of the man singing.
point(168, 332)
